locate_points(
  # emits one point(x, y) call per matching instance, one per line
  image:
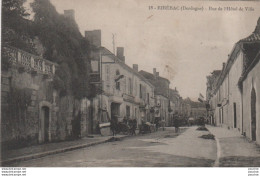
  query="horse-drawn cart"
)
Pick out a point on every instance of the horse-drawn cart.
point(145, 128)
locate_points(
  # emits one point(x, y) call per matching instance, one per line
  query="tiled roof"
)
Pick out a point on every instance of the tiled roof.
point(151, 76)
point(105, 51)
point(216, 72)
point(255, 36)
point(159, 83)
point(252, 38)
point(250, 67)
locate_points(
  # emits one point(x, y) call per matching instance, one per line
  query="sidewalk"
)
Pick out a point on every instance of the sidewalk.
point(234, 150)
point(37, 151)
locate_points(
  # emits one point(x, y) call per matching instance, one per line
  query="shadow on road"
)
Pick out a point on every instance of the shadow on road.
point(239, 161)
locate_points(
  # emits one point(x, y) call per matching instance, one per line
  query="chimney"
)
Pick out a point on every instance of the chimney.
point(257, 28)
point(154, 72)
point(70, 14)
point(223, 65)
point(94, 37)
point(135, 67)
point(120, 53)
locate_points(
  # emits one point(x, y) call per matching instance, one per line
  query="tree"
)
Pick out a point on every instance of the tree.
point(16, 30)
point(64, 45)
point(11, 8)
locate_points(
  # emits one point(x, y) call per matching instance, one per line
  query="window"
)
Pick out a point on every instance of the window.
point(107, 72)
point(136, 88)
point(130, 86)
point(94, 66)
point(117, 82)
point(118, 85)
point(235, 114)
point(140, 91)
point(148, 100)
point(144, 93)
point(127, 112)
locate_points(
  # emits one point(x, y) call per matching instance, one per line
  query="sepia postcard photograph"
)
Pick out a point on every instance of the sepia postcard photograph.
point(133, 83)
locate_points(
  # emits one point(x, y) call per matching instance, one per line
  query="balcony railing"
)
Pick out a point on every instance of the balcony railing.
point(30, 61)
point(128, 97)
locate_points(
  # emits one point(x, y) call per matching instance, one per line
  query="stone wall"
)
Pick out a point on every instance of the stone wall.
point(28, 99)
point(162, 104)
point(252, 81)
point(130, 90)
point(22, 94)
point(227, 95)
point(235, 94)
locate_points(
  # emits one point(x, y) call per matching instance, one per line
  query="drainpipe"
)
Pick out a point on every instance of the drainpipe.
point(242, 115)
point(241, 92)
point(242, 100)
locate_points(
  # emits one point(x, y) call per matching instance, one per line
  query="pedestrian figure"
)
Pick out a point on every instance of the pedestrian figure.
point(176, 124)
point(113, 124)
point(98, 130)
point(130, 124)
point(142, 127)
point(133, 126)
point(163, 124)
point(125, 120)
point(156, 123)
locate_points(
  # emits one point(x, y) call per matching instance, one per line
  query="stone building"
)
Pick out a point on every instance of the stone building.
point(175, 107)
point(234, 98)
point(175, 100)
point(195, 109)
point(186, 109)
point(249, 84)
point(210, 83)
point(211, 79)
point(161, 92)
point(123, 91)
point(32, 110)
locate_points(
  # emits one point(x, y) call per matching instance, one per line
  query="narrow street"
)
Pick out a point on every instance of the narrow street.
point(163, 148)
point(75, 74)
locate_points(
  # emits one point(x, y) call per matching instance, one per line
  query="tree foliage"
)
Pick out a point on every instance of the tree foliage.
point(16, 30)
point(64, 45)
point(60, 37)
point(14, 8)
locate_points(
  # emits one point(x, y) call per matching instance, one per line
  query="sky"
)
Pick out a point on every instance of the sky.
point(184, 46)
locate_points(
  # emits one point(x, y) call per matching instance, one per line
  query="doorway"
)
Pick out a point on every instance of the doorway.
point(235, 114)
point(115, 110)
point(220, 116)
point(253, 114)
point(91, 116)
point(76, 126)
point(127, 112)
point(46, 123)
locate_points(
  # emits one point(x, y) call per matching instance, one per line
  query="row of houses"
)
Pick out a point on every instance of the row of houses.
point(126, 92)
point(34, 111)
point(233, 92)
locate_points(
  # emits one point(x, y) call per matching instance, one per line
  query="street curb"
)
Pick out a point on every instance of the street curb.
point(40, 155)
point(216, 163)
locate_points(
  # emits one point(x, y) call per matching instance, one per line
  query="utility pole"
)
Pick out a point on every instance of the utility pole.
point(113, 41)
